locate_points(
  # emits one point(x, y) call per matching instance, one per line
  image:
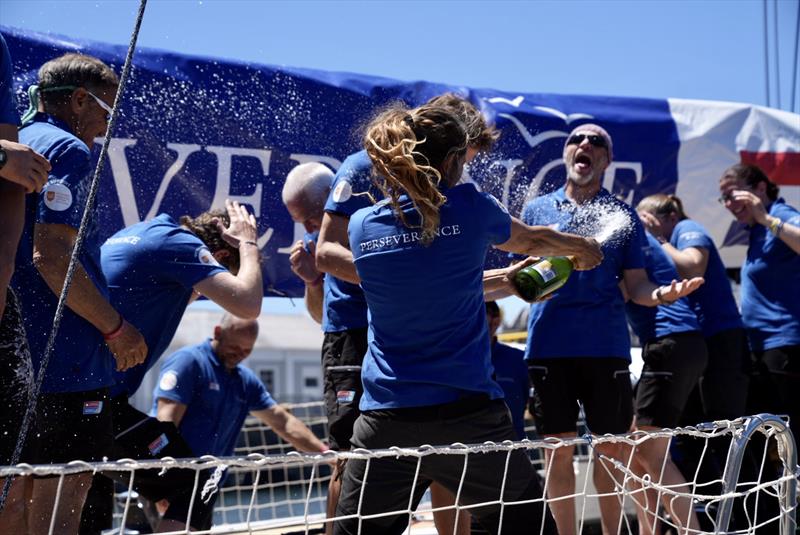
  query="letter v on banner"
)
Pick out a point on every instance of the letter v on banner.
point(124, 183)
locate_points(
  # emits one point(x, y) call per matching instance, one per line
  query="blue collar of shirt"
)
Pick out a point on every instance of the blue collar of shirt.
point(560, 196)
point(42, 117)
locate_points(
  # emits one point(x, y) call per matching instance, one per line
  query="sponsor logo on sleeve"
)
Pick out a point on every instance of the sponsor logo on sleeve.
point(343, 191)
point(158, 444)
point(92, 408)
point(57, 196)
point(204, 256)
point(168, 381)
point(345, 396)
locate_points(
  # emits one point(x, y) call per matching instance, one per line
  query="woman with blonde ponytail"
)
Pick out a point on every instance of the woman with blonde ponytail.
point(427, 373)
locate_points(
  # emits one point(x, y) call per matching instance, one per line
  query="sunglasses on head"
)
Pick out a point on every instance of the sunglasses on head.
point(594, 140)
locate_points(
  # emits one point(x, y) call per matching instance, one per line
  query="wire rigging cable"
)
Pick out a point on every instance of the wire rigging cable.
point(87, 213)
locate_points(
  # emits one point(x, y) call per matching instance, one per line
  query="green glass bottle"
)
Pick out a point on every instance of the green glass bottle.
point(544, 277)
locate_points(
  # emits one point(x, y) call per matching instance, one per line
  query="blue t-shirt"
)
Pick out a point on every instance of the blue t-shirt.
point(344, 306)
point(217, 400)
point(713, 302)
point(511, 373)
point(8, 100)
point(567, 324)
point(650, 323)
point(427, 321)
point(80, 360)
point(771, 285)
point(151, 269)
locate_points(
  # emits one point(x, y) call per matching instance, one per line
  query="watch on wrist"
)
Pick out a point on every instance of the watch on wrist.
point(3, 157)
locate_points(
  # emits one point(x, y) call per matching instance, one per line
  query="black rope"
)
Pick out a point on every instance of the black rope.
point(87, 212)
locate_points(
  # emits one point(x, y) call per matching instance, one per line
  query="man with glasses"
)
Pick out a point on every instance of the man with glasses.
point(69, 109)
point(578, 348)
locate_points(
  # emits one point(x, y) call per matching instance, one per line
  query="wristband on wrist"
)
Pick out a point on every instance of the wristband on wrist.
point(317, 281)
point(660, 297)
point(248, 242)
point(116, 333)
point(775, 226)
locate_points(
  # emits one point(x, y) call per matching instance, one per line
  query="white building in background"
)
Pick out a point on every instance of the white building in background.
point(286, 356)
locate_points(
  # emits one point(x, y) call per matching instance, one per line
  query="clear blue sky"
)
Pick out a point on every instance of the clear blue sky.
point(681, 48)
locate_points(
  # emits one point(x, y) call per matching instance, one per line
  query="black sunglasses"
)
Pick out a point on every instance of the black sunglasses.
point(594, 140)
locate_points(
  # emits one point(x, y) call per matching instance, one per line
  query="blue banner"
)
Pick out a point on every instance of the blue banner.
point(194, 131)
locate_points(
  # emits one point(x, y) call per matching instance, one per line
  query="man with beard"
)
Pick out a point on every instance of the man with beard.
point(568, 367)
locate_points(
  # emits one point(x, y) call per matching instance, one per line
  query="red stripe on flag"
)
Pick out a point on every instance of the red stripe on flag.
point(781, 167)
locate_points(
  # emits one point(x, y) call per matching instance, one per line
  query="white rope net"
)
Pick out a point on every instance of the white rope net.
point(272, 489)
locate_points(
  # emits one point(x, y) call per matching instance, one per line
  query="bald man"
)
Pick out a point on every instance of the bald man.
point(206, 392)
point(304, 194)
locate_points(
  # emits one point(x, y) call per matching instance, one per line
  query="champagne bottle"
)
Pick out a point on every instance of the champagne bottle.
point(543, 277)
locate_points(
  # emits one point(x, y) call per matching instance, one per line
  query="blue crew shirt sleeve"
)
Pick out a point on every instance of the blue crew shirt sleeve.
point(344, 306)
point(8, 100)
point(178, 379)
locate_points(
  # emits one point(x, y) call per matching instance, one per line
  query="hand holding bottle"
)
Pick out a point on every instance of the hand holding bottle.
point(587, 254)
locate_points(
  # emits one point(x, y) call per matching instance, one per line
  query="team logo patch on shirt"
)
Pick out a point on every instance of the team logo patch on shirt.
point(213, 386)
point(57, 197)
point(92, 407)
point(158, 444)
point(204, 255)
point(343, 191)
point(168, 381)
point(345, 396)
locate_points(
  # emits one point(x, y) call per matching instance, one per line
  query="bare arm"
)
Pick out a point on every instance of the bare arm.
point(170, 411)
point(52, 248)
point(786, 232)
point(290, 429)
point(333, 249)
point(691, 262)
point(314, 297)
point(304, 266)
point(497, 283)
point(639, 289)
point(239, 294)
point(544, 241)
point(790, 235)
point(12, 219)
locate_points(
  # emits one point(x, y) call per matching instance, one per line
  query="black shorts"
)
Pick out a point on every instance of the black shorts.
point(601, 384)
point(672, 367)
point(72, 426)
point(139, 436)
point(726, 379)
point(394, 484)
point(342, 355)
point(16, 376)
point(783, 365)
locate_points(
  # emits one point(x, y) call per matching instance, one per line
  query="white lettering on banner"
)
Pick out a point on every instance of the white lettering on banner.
point(406, 237)
point(611, 172)
point(223, 186)
point(124, 183)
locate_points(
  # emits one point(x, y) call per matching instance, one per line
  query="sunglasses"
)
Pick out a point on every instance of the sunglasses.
point(594, 140)
point(103, 105)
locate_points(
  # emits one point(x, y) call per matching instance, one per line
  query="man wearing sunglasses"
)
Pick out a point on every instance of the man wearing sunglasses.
point(69, 109)
point(578, 348)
